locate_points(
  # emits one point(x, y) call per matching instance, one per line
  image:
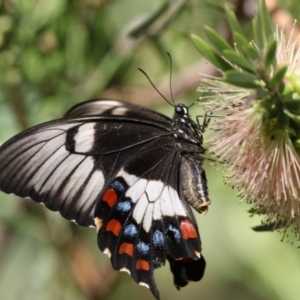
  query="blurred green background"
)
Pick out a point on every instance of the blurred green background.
point(56, 53)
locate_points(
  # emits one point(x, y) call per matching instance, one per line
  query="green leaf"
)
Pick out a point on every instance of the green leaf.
point(248, 50)
point(232, 20)
point(265, 21)
point(262, 26)
point(283, 119)
point(292, 105)
point(216, 40)
point(206, 50)
point(240, 61)
point(245, 80)
point(271, 54)
point(257, 32)
point(278, 75)
point(294, 117)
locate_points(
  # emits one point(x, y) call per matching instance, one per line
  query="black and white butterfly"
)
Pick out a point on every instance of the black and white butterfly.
point(127, 170)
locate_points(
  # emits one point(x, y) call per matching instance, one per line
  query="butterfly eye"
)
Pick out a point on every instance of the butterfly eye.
point(181, 109)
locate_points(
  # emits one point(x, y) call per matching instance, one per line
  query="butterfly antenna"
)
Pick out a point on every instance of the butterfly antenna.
point(171, 71)
point(156, 87)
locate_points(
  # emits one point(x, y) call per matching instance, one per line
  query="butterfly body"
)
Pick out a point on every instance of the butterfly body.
point(127, 170)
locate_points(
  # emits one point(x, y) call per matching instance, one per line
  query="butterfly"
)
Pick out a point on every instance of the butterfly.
point(128, 171)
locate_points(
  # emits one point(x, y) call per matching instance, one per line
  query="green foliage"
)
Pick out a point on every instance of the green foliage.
point(210, 54)
point(240, 63)
point(52, 49)
point(270, 54)
point(262, 26)
point(232, 20)
point(252, 64)
point(245, 80)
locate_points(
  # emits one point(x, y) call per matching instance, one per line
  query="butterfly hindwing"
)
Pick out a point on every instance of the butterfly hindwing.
point(142, 219)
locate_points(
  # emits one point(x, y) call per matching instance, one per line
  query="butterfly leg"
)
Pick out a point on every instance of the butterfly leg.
point(206, 120)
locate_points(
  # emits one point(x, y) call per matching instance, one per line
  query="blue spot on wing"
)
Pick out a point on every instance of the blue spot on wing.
point(130, 231)
point(143, 248)
point(118, 186)
point(158, 239)
point(123, 206)
point(175, 233)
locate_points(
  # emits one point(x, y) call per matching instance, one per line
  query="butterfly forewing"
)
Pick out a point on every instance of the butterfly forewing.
point(107, 135)
point(115, 108)
point(117, 165)
point(62, 163)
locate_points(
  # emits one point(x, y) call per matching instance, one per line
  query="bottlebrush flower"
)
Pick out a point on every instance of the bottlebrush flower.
point(257, 135)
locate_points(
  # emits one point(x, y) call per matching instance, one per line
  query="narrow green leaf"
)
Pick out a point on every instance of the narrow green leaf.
point(278, 75)
point(257, 32)
point(232, 20)
point(248, 50)
point(271, 54)
point(283, 118)
point(294, 117)
point(292, 105)
point(216, 40)
point(245, 80)
point(262, 25)
point(240, 61)
point(206, 50)
point(265, 21)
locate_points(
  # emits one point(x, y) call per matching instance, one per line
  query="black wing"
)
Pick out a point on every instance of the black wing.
point(113, 164)
point(66, 163)
point(114, 108)
point(143, 219)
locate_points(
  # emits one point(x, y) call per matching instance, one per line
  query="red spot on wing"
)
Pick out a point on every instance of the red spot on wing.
point(126, 248)
point(114, 226)
point(142, 264)
point(188, 230)
point(110, 197)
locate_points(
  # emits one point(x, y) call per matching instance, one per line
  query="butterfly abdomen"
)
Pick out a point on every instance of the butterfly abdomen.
point(194, 185)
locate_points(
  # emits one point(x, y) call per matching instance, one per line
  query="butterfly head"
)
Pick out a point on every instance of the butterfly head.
point(181, 110)
point(186, 130)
